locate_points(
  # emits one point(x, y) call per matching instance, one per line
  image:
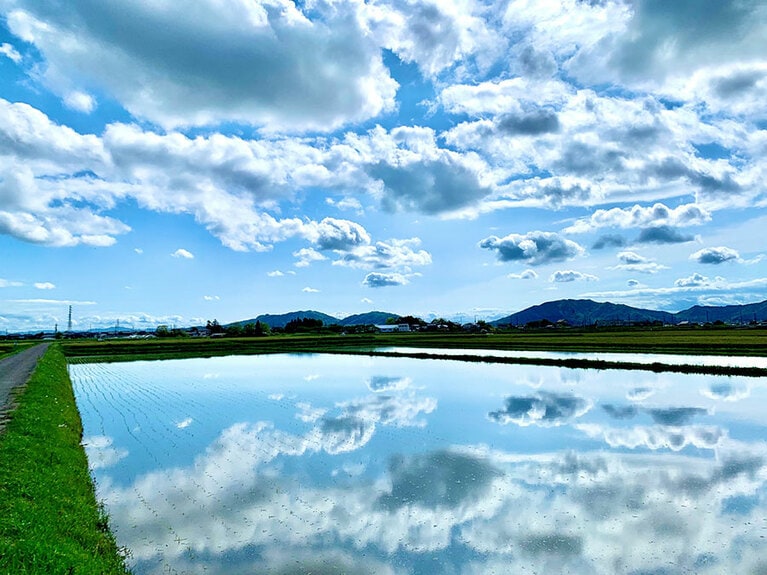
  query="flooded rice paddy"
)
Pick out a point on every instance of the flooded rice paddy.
point(290, 464)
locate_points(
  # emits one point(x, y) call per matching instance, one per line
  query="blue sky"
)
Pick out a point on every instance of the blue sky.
point(167, 164)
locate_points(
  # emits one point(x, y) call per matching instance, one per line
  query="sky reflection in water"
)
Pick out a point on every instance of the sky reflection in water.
point(329, 464)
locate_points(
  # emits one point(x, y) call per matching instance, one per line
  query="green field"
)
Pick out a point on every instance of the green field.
point(729, 342)
point(662, 340)
point(51, 522)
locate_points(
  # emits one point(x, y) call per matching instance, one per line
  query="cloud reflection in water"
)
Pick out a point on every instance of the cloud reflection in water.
point(438, 486)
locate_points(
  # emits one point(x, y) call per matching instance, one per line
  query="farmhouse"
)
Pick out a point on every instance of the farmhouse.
point(393, 328)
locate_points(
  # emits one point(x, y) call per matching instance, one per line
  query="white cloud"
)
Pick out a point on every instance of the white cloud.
point(275, 274)
point(345, 204)
point(564, 276)
point(182, 253)
point(9, 283)
point(183, 424)
point(642, 216)
point(696, 280)
point(211, 298)
point(268, 47)
point(139, 251)
point(377, 280)
point(525, 275)
point(10, 52)
point(80, 101)
point(310, 290)
point(366, 300)
point(337, 235)
point(634, 262)
point(715, 256)
point(389, 254)
point(535, 248)
point(101, 453)
point(657, 436)
point(306, 256)
point(45, 285)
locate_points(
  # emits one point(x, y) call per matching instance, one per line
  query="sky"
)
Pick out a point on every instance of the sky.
point(168, 163)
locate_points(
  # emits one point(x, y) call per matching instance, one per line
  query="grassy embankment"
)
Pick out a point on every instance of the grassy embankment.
point(732, 342)
point(51, 521)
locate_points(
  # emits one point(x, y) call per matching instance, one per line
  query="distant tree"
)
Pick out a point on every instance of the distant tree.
point(233, 330)
point(162, 331)
point(214, 327)
point(303, 324)
point(410, 320)
point(262, 328)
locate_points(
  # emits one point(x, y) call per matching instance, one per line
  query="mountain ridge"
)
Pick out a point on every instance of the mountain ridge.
point(589, 312)
point(573, 311)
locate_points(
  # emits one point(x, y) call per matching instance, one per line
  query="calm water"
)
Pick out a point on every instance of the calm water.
point(295, 464)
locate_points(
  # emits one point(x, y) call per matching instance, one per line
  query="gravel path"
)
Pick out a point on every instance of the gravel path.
point(15, 372)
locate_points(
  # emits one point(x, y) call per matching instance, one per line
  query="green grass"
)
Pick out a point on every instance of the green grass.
point(50, 521)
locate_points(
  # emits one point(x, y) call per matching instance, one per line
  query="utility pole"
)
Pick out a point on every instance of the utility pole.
point(69, 321)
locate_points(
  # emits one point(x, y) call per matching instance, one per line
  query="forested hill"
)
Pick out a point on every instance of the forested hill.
point(587, 312)
point(281, 320)
point(584, 312)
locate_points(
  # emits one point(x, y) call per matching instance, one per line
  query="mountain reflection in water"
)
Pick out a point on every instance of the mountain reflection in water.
point(332, 464)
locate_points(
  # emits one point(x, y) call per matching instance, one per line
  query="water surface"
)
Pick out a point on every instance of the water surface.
point(337, 464)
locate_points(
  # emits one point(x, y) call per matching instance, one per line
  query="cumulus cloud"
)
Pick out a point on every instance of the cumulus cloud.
point(609, 241)
point(564, 276)
point(275, 274)
point(80, 101)
point(339, 235)
point(654, 43)
point(535, 248)
point(663, 235)
point(378, 280)
point(182, 253)
point(633, 262)
point(729, 392)
point(695, 280)
point(675, 416)
point(543, 409)
point(657, 215)
point(306, 256)
point(657, 436)
point(101, 451)
point(175, 79)
point(211, 298)
point(434, 35)
point(45, 285)
point(388, 254)
point(525, 275)
point(533, 123)
point(430, 186)
point(715, 256)
point(437, 479)
point(310, 290)
point(382, 383)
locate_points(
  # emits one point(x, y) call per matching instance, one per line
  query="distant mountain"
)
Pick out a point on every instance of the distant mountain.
point(726, 313)
point(369, 318)
point(281, 320)
point(576, 312)
point(584, 312)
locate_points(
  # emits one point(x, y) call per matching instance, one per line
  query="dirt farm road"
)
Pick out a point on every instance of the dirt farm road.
point(15, 372)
